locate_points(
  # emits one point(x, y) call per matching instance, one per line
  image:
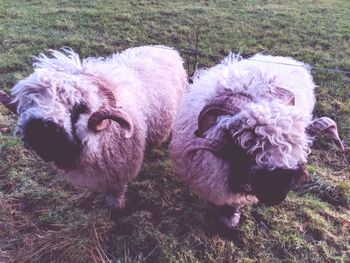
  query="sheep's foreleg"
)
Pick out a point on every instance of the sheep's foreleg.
point(229, 216)
point(231, 221)
point(116, 198)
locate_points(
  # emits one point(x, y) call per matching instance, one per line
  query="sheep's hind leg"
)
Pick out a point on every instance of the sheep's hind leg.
point(116, 199)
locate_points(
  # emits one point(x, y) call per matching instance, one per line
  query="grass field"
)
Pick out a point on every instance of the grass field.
point(44, 219)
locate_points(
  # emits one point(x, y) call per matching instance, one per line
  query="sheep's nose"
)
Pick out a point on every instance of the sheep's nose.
point(51, 142)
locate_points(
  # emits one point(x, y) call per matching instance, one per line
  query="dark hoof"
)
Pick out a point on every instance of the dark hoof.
point(116, 214)
point(117, 203)
point(230, 222)
point(224, 221)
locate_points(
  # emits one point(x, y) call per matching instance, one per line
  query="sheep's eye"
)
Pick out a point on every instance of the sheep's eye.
point(78, 109)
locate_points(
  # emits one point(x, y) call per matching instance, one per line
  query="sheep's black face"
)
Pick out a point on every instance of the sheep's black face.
point(271, 186)
point(52, 143)
point(241, 165)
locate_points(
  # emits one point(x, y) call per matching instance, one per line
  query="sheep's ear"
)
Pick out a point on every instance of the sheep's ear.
point(101, 119)
point(225, 103)
point(328, 126)
point(208, 115)
point(6, 99)
point(283, 94)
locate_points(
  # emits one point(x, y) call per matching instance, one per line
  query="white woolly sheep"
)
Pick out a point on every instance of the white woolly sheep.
point(244, 131)
point(95, 118)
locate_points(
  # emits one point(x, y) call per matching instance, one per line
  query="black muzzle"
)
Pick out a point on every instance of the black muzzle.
point(272, 186)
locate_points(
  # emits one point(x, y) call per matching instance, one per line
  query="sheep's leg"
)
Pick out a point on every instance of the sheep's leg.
point(232, 220)
point(229, 216)
point(116, 199)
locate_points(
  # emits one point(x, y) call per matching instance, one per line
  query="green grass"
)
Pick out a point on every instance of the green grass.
point(44, 219)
